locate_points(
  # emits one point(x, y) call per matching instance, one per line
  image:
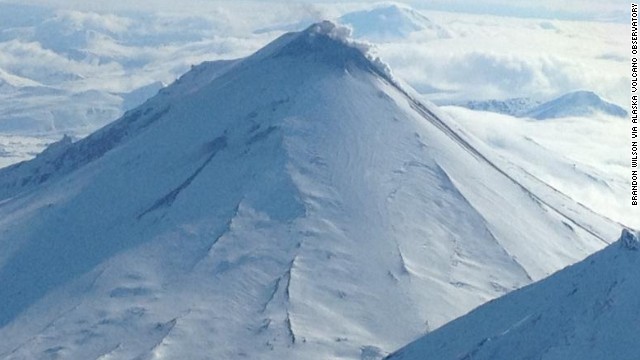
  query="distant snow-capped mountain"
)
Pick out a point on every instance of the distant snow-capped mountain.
point(391, 22)
point(295, 204)
point(588, 311)
point(574, 104)
point(513, 107)
point(380, 24)
point(577, 103)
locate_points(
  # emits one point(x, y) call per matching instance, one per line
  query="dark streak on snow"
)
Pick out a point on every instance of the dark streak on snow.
point(287, 293)
point(276, 287)
point(164, 329)
point(292, 335)
point(222, 233)
point(560, 193)
point(261, 135)
point(403, 264)
point(470, 355)
point(272, 295)
point(216, 146)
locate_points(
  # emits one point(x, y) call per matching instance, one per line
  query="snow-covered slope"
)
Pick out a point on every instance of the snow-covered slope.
point(579, 156)
point(577, 103)
point(296, 204)
point(385, 23)
point(587, 311)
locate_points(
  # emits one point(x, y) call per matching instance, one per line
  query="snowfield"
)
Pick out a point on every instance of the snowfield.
point(298, 204)
point(586, 311)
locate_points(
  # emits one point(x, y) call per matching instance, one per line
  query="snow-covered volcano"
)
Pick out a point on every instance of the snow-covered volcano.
point(587, 311)
point(298, 204)
point(391, 22)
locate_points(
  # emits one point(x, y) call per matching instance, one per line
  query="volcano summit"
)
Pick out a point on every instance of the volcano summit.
point(295, 204)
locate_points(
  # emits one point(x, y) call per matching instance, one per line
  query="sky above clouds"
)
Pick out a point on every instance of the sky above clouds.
point(492, 56)
point(492, 49)
point(569, 9)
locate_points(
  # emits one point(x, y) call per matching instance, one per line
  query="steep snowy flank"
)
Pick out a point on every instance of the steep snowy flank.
point(587, 311)
point(296, 204)
point(384, 23)
point(577, 103)
point(581, 157)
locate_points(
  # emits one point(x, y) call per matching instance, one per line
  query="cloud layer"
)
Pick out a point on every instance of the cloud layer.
point(494, 57)
point(72, 49)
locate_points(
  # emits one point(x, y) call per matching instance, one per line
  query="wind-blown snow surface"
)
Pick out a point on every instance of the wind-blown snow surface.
point(296, 205)
point(588, 311)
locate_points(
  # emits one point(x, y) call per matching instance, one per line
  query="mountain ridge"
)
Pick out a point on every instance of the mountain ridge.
point(581, 311)
point(576, 103)
point(282, 206)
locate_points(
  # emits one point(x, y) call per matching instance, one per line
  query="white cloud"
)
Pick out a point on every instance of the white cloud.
point(486, 75)
point(31, 60)
point(612, 10)
point(569, 9)
point(496, 57)
point(77, 20)
point(486, 57)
